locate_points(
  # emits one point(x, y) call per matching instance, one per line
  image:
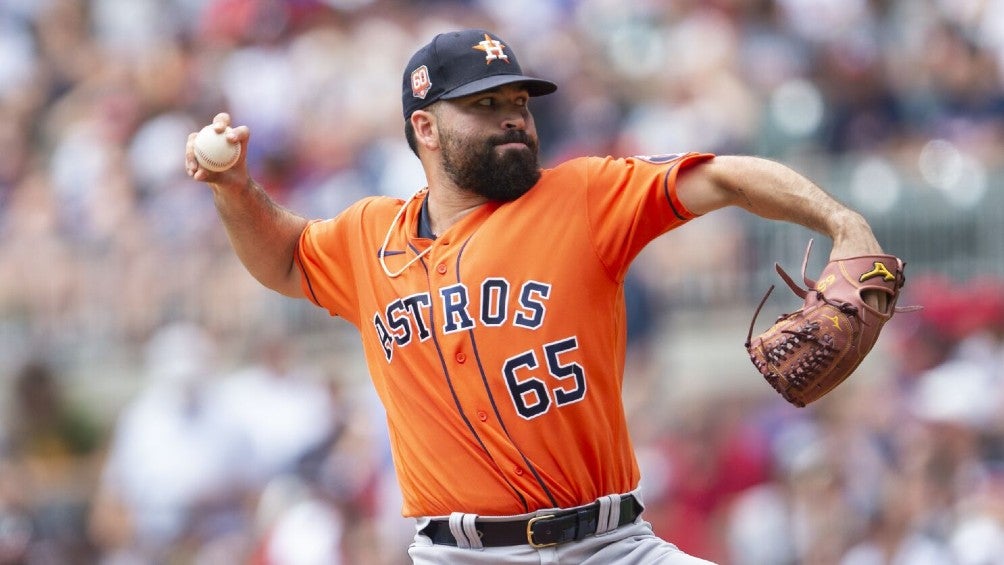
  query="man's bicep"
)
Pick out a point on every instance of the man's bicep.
point(702, 187)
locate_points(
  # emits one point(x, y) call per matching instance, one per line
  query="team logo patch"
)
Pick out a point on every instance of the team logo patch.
point(420, 82)
point(493, 48)
point(659, 159)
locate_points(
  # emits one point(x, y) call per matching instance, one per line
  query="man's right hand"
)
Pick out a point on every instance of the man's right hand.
point(234, 176)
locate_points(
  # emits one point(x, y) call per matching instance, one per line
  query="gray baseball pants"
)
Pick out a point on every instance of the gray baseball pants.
point(630, 544)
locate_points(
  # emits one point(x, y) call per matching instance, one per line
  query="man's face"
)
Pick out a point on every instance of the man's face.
point(489, 143)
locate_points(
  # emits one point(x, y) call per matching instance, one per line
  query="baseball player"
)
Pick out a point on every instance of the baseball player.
point(491, 309)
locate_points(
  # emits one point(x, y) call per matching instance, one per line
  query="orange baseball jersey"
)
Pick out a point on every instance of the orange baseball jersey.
point(499, 353)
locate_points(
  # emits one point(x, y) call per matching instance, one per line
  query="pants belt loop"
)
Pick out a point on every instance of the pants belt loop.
point(609, 513)
point(458, 530)
point(471, 530)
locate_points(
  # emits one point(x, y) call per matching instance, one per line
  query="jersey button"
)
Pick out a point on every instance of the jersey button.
point(482, 415)
point(441, 268)
point(518, 471)
point(461, 358)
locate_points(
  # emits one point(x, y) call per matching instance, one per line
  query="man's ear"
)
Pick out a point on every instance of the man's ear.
point(426, 129)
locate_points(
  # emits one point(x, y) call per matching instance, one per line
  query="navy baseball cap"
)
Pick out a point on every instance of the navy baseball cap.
point(460, 63)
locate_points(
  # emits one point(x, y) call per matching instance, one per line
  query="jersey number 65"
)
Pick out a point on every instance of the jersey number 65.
point(531, 395)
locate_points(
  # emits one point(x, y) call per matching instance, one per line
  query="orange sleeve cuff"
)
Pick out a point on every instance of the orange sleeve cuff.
point(689, 159)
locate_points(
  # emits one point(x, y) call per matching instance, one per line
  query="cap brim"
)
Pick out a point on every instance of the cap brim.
point(535, 86)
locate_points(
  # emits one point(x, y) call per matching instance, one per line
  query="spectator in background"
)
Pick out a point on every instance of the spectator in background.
point(957, 403)
point(286, 415)
point(48, 470)
point(298, 525)
point(288, 420)
point(168, 490)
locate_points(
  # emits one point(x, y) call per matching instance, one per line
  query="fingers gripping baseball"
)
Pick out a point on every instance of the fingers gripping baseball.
point(216, 154)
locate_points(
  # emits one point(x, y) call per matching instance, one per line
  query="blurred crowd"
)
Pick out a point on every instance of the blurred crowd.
point(161, 407)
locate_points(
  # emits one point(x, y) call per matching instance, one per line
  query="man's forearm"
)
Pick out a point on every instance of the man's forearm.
point(774, 191)
point(263, 234)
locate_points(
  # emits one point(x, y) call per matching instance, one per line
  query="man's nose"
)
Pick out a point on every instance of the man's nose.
point(515, 119)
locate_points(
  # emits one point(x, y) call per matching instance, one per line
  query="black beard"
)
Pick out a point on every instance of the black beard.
point(479, 168)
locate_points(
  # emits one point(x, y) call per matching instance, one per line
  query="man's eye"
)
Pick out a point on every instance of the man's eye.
point(486, 102)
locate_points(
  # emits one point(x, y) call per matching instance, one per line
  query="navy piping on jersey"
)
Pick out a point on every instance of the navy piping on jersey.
point(491, 399)
point(456, 400)
point(665, 188)
point(303, 273)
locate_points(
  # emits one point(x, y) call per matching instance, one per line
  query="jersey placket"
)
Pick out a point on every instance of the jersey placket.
point(468, 376)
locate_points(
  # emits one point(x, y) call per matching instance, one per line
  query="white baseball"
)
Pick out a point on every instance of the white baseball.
point(214, 151)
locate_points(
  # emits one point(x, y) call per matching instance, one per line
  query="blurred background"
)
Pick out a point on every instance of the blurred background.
point(158, 406)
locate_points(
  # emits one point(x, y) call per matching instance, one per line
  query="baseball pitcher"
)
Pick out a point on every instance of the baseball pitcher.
point(491, 309)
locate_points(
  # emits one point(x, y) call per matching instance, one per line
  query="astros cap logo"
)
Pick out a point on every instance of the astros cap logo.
point(493, 48)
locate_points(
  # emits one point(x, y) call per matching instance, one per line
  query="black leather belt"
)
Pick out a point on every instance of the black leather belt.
point(539, 531)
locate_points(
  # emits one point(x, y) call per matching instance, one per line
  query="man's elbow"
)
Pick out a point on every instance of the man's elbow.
point(287, 284)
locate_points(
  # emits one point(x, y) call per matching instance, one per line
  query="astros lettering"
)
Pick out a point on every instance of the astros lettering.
point(405, 318)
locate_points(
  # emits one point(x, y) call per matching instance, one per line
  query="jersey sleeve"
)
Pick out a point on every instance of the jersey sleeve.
point(632, 201)
point(325, 256)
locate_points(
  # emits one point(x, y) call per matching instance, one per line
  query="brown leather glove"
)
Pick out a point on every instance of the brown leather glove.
point(807, 353)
